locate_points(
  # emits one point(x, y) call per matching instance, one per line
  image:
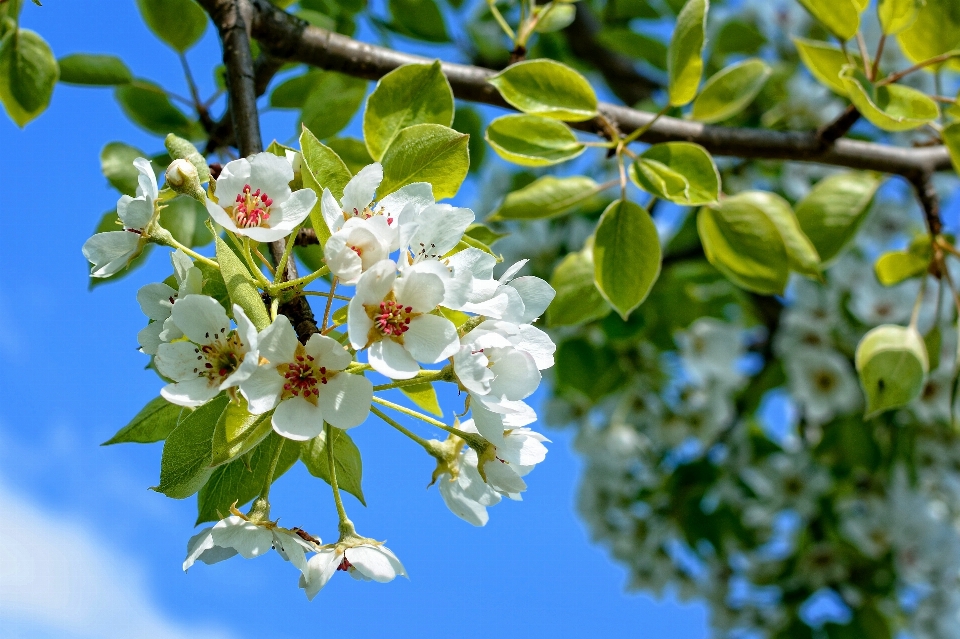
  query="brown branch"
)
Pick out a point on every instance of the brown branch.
point(231, 18)
point(833, 131)
point(220, 133)
point(922, 183)
point(290, 38)
point(306, 237)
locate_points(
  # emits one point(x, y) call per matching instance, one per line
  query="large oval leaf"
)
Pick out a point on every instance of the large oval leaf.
point(834, 209)
point(426, 153)
point(185, 463)
point(626, 255)
point(745, 245)
point(685, 53)
point(897, 15)
point(547, 88)
point(892, 363)
point(411, 94)
point(154, 422)
point(892, 107)
point(346, 457)
point(680, 172)
point(179, 23)
point(332, 102)
point(545, 197)
point(730, 90)
point(530, 140)
point(148, 106)
point(840, 17)
point(94, 70)
point(28, 73)
point(802, 257)
point(578, 300)
point(825, 61)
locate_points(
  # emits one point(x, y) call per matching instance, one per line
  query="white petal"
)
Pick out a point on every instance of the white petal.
point(372, 287)
point(109, 252)
point(479, 263)
point(332, 214)
point(291, 548)
point(328, 352)
point(513, 270)
point(536, 295)
point(278, 342)
point(181, 264)
point(522, 448)
point(146, 179)
point(391, 359)
point(472, 371)
point(246, 331)
point(265, 233)
point(538, 344)
point(245, 537)
point(192, 283)
point(297, 419)
point(374, 563)
point(233, 177)
point(517, 375)
point(295, 209)
point(431, 339)
point(459, 504)
point(135, 213)
point(418, 196)
point(199, 543)
point(220, 216)
point(488, 423)
point(191, 393)
point(170, 331)
point(421, 291)
point(271, 174)
point(149, 337)
point(320, 568)
point(343, 261)
point(201, 318)
point(502, 478)
point(345, 400)
point(441, 228)
point(359, 191)
point(179, 360)
point(262, 390)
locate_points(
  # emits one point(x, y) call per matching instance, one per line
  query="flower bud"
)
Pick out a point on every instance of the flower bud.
point(182, 177)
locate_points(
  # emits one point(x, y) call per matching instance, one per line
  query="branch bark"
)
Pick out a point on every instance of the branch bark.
point(289, 38)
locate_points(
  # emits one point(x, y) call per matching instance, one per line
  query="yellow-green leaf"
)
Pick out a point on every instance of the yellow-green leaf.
point(825, 61)
point(935, 30)
point(626, 255)
point(834, 209)
point(241, 286)
point(426, 153)
point(897, 15)
point(530, 140)
point(730, 91)
point(892, 363)
point(578, 300)
point(681, 172)
point(545, 197)
point(892, 107)
point(896, 266)
point(685, 53)
point(840, 17)
point(424, 396)
point(548, 89)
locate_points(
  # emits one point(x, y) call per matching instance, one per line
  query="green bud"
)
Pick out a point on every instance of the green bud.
point(892, 363)
point(182, 177)
point(180, 149)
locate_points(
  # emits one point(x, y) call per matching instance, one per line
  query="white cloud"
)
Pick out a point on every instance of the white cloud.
point(57, 579)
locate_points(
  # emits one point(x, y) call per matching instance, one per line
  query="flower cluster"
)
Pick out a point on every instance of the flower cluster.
point(422, 296)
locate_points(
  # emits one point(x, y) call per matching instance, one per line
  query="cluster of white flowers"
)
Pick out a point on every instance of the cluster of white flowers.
point(422, 297)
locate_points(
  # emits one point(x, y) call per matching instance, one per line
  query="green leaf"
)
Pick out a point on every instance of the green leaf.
point(184, 217)
point(825, 61)
point(185, 463)
point(148, 106)
point(213, 285)
point(892, 363)
point(833, 210)
point(933, 342)
point(730, 90)
point(578, 300)
point(560, 16)
point(346, 456)
point(584, 369)
point(530, 140)
point(241, 286)
point(116, 162)
point(802, 257)
point(411, 94)
point(293, 92)
point(635, 45)
point(681, 172)
point(468, 120)
point(546, 197)
point(736, 36)
point(321, 168)
point(892, 107)
point(897, 15)
point(626, 255)
point(429, 153)
point(242, 479)
point(894, 267)
point(548, 89)
point(28, 73)
point(237, 432)
point(420, 19)
point(935, 30)
point(684, 55)
point(353, 152)
point(179, 23)
point(424, 396)
point(483, 234)
point(93, 70)
point(745, 245)
point(951, 138)
point(178, 148)
point(153, 423)
point(840, 17)
point(334, 100)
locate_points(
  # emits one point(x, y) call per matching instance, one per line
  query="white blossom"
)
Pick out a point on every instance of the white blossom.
point(503, 466)
point(253, 198)
point(111, 251)
point(157, 300)
point(365, 562)
point(237, 535)
point(823, 383)
point(305, 383)
point(464, 491)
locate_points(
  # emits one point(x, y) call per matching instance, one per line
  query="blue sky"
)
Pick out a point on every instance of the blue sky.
point(87, 551)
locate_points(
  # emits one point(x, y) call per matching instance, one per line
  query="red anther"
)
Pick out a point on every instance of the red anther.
point(345, 565)
point(409, 309)
point(223, 372)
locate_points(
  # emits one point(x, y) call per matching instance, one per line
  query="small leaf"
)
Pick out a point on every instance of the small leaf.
point(833, 210)
point(116, 162)
point(241, 286)
point(429, 153)
point(560, 16)
point(840, 17)
point(892, 363)
point(153, 423)
point(28, 73)
point(745, 245)
point(802, 257)
point(896, 266)
point(411, 94)
point(332, 103)
point(94, 70)
point(148, 106)
point(730, 90)
point(578, 300)
point(346, 456)
point(424, 396)
point(684, 55)
point(321, 168)
point(935, 30)
point(548, 89)
point(825, 61)
point(237, 432)
point(529, 140)
point(892, 107)
point(897, 15)
point(185, 463)
point(626, 255)
point(179, 23)
point(242, 479)
point(483, 234)
point(420, 19)
point(546, 197)
point(681, 172)
point(737, 36)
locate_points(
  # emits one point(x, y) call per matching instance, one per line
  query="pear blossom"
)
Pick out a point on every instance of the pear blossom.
point(157, 300)
point(520, 300)
point(431, 232)
point(464, 491)
point(254, 198)
point(238, 535)
point(111, 251)
point(212, 358)
point(823, 383)
point(391, 316)
point(305, 383)
point(369, 561)
point(358, 245)
point(503, 466)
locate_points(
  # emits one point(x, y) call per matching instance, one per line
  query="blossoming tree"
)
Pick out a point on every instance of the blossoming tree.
point(744, 265)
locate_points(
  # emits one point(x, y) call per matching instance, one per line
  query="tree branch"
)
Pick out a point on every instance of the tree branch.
point(220, 134)
point(290, 38)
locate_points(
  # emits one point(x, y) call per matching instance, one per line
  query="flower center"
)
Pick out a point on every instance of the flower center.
point(345, 564)
point(391, 318)
point(220, 358)
point(302, 377)
point(824, 381)
point(252, 208)
point(366, 214)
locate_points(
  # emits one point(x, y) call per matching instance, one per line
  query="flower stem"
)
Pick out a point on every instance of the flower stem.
point(500, 20)
point(420, 440)
point(301, 281)
point(429, 378)
point(470, 438)
point(341, 513)
point(326, 311)
point(282, 264)
point(173, 243)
